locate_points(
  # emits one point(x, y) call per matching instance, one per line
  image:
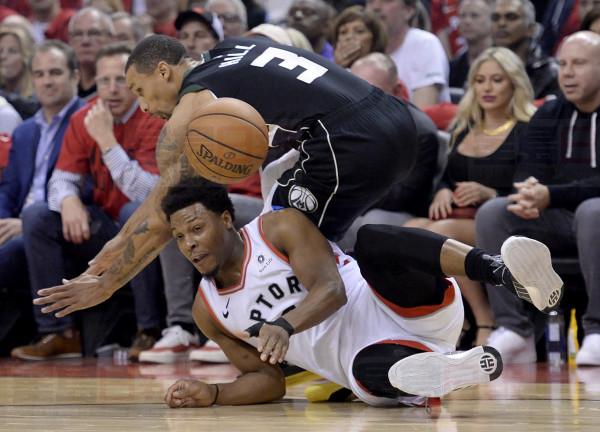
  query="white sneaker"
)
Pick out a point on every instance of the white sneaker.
point(533, 277)
point(209, 353)
point(513, 347)
point(589, 353)
point(434, 374)
point(174, 345)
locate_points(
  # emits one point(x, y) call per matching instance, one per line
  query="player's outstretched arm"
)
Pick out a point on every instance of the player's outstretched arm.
point(143, 236)
point(259, 382)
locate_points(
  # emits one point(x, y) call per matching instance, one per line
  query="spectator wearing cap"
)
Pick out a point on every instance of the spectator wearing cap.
point(232, 14)
point(198, 31)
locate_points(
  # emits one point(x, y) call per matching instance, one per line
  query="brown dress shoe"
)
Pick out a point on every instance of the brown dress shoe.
point(51, 346)
point(144, 340)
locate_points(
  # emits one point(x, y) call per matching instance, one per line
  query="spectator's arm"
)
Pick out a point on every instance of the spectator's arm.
point(570, 195)
point(128, 175)
point(426, 96)
point(10, 187)
point(61, 185)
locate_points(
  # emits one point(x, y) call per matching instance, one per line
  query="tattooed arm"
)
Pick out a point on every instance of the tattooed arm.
point(143, 236)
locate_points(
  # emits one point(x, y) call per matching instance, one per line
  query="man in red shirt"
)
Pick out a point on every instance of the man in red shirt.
point(112, 142)
point(49, 20)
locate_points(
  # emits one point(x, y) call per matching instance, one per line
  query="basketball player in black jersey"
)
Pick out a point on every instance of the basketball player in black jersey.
point(351, 141)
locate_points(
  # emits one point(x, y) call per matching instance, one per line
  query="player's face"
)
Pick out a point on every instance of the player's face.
point(201, 237)
point(492, 86)
point(155, 91)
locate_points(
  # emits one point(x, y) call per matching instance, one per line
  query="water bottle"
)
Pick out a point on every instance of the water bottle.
point(555, 339)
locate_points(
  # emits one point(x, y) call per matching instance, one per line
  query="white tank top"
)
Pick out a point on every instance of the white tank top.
point(268, 288)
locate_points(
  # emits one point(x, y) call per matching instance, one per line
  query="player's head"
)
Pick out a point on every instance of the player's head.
point(201, 217)
point(154, 73)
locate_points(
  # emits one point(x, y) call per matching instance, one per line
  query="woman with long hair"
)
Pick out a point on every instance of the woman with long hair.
point(16, 85)
point(491, 116)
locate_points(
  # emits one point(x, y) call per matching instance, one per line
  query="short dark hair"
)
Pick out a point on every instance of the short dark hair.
point(115, 49)
point(154, 49)
point(197, 190)
point(68, 52)
point(589, 18)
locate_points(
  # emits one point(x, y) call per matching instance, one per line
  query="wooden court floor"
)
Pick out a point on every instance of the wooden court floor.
point(97, 395)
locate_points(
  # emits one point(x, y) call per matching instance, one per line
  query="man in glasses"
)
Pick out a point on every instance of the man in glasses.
point(89, 30)
point(112, 142)
point(232, 14)
point(514, 27)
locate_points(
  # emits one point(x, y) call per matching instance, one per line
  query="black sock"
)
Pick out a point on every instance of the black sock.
point(480, 266)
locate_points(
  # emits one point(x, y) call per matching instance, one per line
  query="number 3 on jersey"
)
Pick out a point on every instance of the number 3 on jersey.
point(291, 61)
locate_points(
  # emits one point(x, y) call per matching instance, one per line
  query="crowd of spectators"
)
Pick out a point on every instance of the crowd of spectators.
point(505, 95)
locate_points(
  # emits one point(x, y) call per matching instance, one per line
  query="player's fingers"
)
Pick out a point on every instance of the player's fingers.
point(276, 353)
point(268, 348)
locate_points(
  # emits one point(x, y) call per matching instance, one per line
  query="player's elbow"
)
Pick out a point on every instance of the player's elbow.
point(338, 295)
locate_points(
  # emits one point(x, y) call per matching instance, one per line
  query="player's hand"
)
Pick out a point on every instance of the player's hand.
point(99, 124)
point(75, 220)
point(9, 228)
point(187, 393)
point(471, 193)
point(441, 206)
point(273, 343)
point(346, 52)
point(82, 292)
point(107, 256)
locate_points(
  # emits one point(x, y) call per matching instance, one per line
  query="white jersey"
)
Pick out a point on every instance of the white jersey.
point(268, 289)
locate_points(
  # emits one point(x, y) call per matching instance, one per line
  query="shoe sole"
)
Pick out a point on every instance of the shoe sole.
point(163, 357)
point(434, 374)
point(530, 265)
point(54, 357)
point(209, 357)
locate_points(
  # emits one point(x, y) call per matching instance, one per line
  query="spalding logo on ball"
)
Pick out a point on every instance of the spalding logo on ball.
point(227, 141)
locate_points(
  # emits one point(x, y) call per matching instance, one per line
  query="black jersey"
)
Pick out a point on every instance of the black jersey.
point(289, 87)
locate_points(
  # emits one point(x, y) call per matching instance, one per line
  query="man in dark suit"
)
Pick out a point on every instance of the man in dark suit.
point(33, 154)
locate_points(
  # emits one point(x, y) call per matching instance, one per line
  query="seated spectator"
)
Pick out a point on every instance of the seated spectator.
point(356, 33)
point(112, 141)
point(198, 31)
point(514, 27)
point(475, 26)
point(127, 28)
point(283, 35)
point(33, 154)
point(89, 30)
point(557, 199)
point(585, 6)
point(9, 117)
point(445, 24)
point(107, 6)
point(591, 21)
point(311, 18)
point(15, 76)
point(49, 20)
point(232, 15)
point(410, 197)
point(492, 116)
point(22, 23)
point(163, 14)
point(419, 56)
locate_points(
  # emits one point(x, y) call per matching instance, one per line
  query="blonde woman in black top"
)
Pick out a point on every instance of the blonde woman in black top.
point(492, 115)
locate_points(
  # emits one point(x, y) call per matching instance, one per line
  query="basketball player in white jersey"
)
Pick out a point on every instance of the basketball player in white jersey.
point(278, 290)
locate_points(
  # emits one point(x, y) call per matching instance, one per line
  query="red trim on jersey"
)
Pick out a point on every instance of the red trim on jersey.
point(420, 311)
point(247, 254)
point(408, 343)
point(269, 244)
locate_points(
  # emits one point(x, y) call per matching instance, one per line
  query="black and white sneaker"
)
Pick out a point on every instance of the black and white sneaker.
point(432, 374)
point(527, 270)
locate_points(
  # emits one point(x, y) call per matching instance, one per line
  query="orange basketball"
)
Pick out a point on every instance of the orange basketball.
point(227, 142)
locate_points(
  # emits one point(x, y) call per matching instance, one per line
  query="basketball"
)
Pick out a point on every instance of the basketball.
point(227, 141)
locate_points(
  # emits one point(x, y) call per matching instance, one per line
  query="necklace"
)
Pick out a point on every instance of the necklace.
point(502, 128)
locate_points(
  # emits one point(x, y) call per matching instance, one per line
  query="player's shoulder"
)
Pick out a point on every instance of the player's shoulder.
point(284, 222)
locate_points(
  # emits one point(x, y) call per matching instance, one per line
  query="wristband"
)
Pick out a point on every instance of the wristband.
point(254, 330)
